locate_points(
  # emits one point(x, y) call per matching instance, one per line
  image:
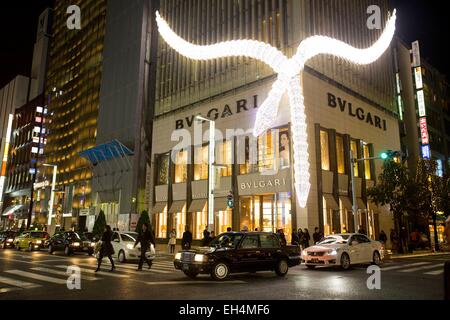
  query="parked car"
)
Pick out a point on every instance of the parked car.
point(343, 250)
point(7, 239)
point(123, 244)
point(70, 242)
point(31, 240)
point(239, 252)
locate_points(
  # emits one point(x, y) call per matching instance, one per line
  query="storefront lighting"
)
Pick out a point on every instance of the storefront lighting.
point(290, 73)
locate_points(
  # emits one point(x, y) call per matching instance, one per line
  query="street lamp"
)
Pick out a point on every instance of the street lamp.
point(52, 192)
point(211, 169)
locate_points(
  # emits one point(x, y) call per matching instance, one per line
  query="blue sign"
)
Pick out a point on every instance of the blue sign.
point(426, 152)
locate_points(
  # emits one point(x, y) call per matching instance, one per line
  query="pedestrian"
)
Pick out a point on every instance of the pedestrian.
point(146, 239)
point(229, 229)
point(382, 238)
point(172, 241)
point(206, 235)
point(106, 249)
point(316, 236)
point(186, 241)
point(415, 239)
point(282, 237)
point(212, 237)
point(361, 230)
point(404, 240)
point(256, 230)
point(245, 229)
point(394, 241)
point(306, 239)
point(295, 239)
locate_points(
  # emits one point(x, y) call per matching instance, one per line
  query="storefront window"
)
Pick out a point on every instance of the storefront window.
point(325, 150)
point(181, 160)
point(354, 150)
point(224, 220)
point(367, 163)
point(200, 222)
point(340, 154)
point(247, 155)
point(250, 213)
point(179, 222)
point(201, 156)
point(267, 151)
point(162, 171)
point(224, 157)
point(161, 224)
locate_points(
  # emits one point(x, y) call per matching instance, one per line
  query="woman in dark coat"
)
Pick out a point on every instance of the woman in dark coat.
point(107, 249)
point(306, 239)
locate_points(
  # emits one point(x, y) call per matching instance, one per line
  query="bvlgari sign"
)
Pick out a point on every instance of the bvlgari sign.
point(253, 184)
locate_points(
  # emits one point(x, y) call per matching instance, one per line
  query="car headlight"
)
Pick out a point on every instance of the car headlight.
point(200, 258)
point(130, 247)
point(332, 252)
point(10, 240)
point(178, 256)
point(38, 241)
point(92, 244)
point(76, 244)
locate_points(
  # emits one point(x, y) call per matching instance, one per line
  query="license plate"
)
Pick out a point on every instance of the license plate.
point(185, 267)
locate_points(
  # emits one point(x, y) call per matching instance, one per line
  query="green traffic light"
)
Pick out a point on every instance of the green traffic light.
point(384, 156)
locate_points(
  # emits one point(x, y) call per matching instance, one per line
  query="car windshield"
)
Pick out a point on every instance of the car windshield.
point(76, 236)
point(335, 240)
point(226, 240)
point(38, 234)
point(129, 237)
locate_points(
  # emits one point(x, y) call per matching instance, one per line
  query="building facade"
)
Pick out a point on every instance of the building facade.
point(350, 109)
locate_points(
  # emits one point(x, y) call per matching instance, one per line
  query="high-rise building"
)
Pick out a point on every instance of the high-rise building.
point(350, 109)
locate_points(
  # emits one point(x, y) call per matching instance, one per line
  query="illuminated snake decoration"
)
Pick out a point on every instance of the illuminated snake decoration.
point(290, 72)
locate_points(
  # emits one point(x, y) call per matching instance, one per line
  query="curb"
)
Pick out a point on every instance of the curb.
point(420, 255)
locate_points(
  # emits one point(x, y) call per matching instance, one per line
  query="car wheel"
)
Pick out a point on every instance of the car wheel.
point(345, 261)
point(191, 275)
point(311, 267)
point(122, 257)
point(282, 268)
point(67, 251)
point(30, 247)
point(50, 249)
point(220, 271)
point(376, 258)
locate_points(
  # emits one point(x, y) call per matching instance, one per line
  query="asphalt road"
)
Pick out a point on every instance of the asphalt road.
point(38, 275)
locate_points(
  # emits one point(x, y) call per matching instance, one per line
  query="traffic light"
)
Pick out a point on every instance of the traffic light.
point(230, 200)
point(393, 155)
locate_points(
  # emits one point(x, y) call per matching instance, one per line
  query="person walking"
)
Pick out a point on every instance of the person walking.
point(186, 241)
point(146, 239)
point(300, 238)
point(383, 239)
point(295, 240)
point(212, 237)
point(206, 235)
point(316, 236)
point(394, 241)
point(106, 249)
point(172, 241)
point(306, 239)
point(282, 237)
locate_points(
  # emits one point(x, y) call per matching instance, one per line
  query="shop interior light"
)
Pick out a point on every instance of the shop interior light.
point(290, 72)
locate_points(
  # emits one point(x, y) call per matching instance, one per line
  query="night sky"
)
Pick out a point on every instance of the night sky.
point(426, 21)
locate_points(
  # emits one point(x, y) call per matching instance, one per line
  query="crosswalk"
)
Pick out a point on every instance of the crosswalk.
point(435, 268)
point(33, 274)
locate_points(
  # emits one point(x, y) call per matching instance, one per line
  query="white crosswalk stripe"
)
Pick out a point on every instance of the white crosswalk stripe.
point(423, 268)
point(101, 273)
point(435, 273)
point(417, 264)
point(156, 268)
point(64, 274)
point(36, 276)
point(18, 283)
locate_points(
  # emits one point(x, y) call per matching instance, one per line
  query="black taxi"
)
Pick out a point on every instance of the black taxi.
point(238, 252)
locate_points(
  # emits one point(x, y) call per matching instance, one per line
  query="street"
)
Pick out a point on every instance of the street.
point(38, 275)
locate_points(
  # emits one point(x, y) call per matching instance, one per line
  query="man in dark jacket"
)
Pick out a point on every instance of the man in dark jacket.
point(186, 241)
point(317, 236)
point(146, 239)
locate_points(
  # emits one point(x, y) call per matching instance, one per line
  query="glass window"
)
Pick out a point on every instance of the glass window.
point(181, 160)
point(250, 213)
point(250, 242)
point(201, 160)
point(247, 155)
point(224, 220)
point(115, 237)
point(179, 222)
point(340, 154)
point(200, 220)
point(224, 156)
point(162, 171)
point(354, 150)
point(161, 224)
point(367, 163)
point(127, 238)
point(267, 151)
point(269, 241)
point(325, 150)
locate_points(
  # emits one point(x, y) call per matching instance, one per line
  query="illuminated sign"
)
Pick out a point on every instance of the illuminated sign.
point(421, 103)
point(424, 131)
point(418, 76)
point(416, 54)
point(426, 152)
point(399, 88)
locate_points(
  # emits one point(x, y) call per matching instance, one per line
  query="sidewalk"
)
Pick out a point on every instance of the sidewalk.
point(416, 254)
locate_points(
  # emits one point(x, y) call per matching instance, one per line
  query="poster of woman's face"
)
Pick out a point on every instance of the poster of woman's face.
point(285, 149)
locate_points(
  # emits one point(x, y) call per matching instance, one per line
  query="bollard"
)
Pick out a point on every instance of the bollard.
point(447, 280)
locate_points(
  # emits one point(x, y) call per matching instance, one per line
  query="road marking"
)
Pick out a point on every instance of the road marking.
point(424, 268)
point(36, 276)
point(192, 282)
point(6, 290)
point(406, 266)
point(134, 268)
point(62, 273)
point(102, 273)
point(18, 283)
point(435, 273)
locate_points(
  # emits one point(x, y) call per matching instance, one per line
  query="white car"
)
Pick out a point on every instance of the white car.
point(123, 244)
point(343, 250)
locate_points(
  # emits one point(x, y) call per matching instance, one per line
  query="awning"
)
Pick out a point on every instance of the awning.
point(220, 204)
point(197, 205)
point(361, 204)
point(331, 202)
point(106, 152)
point(346, 203)
point(177, 206)
point(159, 207)
point(14, 210)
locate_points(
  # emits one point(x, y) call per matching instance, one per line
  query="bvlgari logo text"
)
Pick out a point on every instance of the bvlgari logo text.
point(261, 184)
point(225, 112)
point(356, 112)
